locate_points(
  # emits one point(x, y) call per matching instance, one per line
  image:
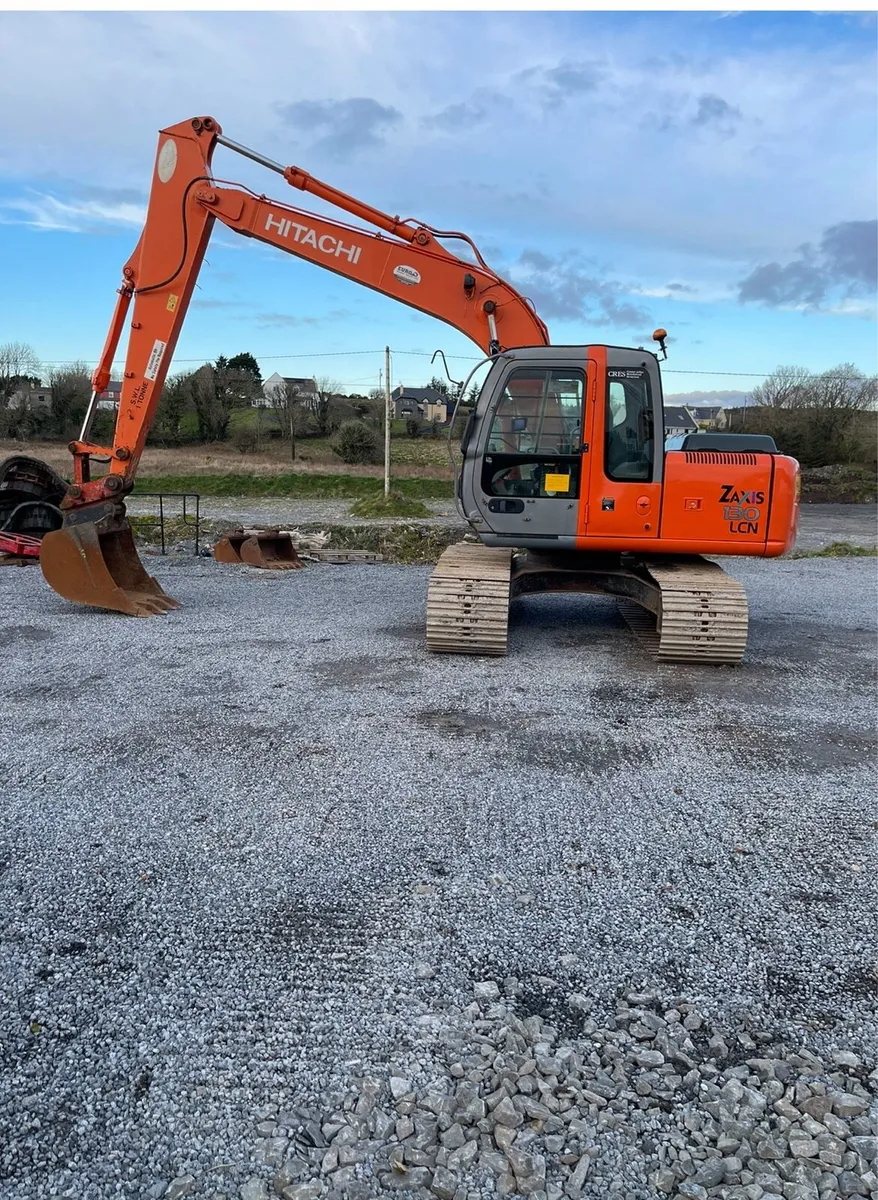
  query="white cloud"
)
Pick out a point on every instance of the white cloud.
point(854, 308)
point(691, 294)
point(44, 211)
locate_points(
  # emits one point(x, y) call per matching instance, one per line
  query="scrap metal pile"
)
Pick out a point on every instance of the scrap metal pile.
point(30, 495)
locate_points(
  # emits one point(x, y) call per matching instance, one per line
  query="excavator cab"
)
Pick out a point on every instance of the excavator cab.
point(565, 452)
point(568, 485)
point(562, 445)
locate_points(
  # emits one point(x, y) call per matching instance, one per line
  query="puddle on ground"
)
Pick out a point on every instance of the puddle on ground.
point(458, 722)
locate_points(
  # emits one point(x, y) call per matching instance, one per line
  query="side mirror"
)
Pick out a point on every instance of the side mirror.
point(519, 424)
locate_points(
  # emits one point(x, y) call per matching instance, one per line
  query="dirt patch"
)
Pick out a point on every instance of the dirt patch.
point(575, 754)
point(826, 748)
point(347, 673)
point(12, 634)
point(839, 484)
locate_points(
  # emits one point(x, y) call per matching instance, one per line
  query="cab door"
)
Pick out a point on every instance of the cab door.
point(627, 440)
point(529, 462)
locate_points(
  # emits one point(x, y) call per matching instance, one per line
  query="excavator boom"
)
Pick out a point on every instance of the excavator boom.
point(91, 559)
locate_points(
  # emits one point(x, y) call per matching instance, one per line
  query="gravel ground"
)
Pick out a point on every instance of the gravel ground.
point(822, 524)
point(257, 855)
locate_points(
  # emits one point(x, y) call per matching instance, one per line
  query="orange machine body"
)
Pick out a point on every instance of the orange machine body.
point(566, 451)
point(710, 502)
point(706, 502)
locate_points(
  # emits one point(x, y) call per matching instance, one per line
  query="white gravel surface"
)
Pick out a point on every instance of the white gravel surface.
point(265, 846)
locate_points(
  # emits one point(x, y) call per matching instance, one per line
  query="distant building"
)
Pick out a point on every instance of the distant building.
point(307, 389)
point(33, 396)
point(423, 404)
point(111, 397)
point(677, 421)
point(707, 416)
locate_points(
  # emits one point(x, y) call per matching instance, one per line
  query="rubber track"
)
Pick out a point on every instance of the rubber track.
point(704, 613)
point(468, 600)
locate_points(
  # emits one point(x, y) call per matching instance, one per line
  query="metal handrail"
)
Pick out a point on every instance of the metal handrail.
point(160, 520)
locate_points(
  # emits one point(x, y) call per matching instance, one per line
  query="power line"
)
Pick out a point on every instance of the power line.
point(49, 362)
point(63, 362)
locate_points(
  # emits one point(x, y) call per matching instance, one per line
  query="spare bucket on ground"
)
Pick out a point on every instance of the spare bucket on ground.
point(268, 549)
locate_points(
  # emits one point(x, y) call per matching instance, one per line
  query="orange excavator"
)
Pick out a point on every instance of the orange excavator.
point(564, 475)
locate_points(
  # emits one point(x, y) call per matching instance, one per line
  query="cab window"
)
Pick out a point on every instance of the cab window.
point(540, 412)
point(629, 438)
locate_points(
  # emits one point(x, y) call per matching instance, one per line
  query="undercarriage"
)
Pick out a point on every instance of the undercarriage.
point(687, 609)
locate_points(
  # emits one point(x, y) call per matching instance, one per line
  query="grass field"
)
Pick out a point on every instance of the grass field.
point(339, 485)
point(420, 467)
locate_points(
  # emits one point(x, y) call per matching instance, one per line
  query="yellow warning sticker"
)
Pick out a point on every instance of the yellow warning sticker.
point(557, 483)
point(172, 303)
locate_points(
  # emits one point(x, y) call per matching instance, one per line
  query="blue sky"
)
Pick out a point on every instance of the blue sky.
point(711, 173)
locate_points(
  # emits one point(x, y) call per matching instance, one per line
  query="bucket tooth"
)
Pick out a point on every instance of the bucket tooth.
point(92, 560)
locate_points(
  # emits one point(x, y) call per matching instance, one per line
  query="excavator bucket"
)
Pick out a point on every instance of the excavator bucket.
point(92, 560)
point(273, 550)
point(268, 549)
point(228, 548)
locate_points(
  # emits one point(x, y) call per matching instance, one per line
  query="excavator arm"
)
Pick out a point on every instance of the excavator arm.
point(92, 559)
point(406, 262)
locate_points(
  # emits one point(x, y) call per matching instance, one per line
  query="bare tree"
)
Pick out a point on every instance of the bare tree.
point(18, 363)
point(71, 392)
point(843, 388)
point(18, 420)
point(326, 389)
point(376, 414)
point(218, 389)
point(835, 400)
point(787, 387)
point(818, 418)
point(290, 405)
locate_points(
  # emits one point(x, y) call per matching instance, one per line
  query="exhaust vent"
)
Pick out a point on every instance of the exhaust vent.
point(721, 458)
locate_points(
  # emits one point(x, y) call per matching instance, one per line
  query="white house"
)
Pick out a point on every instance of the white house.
point(677, 421)
point(307, 389)
point(708, 416)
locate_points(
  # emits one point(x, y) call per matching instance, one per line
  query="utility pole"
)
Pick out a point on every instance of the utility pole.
point(387, 419)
